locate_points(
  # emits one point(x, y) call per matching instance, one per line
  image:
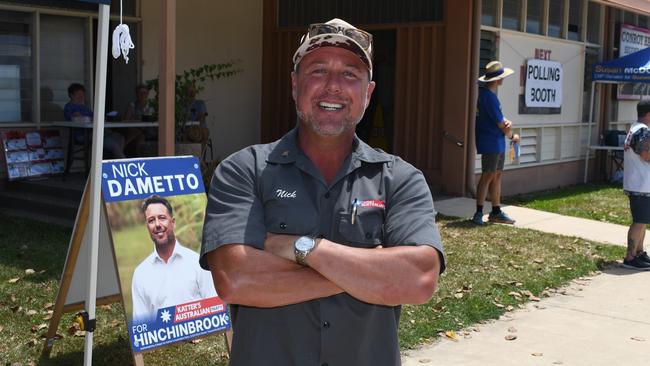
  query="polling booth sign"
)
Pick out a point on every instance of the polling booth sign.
point(543, 83)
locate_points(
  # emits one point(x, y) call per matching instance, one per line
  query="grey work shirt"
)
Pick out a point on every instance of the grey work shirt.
point(276, 188)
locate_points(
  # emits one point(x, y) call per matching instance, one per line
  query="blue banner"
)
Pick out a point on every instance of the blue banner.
point(634, 68)
point(140, 178)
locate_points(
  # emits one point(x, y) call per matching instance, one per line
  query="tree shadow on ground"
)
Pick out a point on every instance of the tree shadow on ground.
point(29, 244)
point(115, 353)
point(617, 269)
point(560, 193)
point(463, 224)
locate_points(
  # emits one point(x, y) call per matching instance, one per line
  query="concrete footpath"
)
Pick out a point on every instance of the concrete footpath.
point(601, 320)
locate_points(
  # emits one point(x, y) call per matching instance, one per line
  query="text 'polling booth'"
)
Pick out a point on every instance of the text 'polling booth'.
point(543, 84)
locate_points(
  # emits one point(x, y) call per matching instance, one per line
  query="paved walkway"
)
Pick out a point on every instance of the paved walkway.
point(543, 221)
point(603, 320)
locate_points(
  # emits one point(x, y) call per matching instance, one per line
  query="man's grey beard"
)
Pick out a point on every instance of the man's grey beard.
point(317, 128)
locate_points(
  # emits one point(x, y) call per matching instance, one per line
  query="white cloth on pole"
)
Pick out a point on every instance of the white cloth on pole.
point(122, 42)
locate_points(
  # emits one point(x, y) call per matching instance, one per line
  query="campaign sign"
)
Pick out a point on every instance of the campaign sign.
point(155, 209)
point(633, 39)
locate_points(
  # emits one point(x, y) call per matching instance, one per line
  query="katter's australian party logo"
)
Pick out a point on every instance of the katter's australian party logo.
point(181, 322)
point(373, 203)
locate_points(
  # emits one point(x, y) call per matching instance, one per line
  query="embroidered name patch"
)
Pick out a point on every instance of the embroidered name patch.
point(284, 194)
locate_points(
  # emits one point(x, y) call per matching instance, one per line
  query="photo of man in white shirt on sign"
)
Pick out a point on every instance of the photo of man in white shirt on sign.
point(171, 274)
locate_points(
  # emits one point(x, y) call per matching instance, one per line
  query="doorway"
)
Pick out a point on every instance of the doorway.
point(376, 126)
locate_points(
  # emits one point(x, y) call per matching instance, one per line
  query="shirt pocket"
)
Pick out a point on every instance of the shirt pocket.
point(366, 232)
point(290, 217)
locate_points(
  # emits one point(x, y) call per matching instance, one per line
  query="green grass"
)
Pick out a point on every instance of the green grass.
point(602, 202)
point(485, 264)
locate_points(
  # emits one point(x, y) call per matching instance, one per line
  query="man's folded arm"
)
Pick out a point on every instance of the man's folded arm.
point(248, 276)
point(383, 276)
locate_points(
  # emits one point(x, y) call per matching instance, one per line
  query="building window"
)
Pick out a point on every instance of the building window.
point(575, 20)
point(593, 23)
point(63, 61)
point(535, 16)
point(511, 14)
point(555, 18)
point(16, 66)
point(629, 18)
point(128, 6)
point(489, 13)
point(65, 52)
point(488, 49)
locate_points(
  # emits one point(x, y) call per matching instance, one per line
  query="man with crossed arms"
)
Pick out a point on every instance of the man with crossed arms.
point(316, 239)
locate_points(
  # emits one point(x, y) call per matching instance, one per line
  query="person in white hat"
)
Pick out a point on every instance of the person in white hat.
point(491, 130)
point(316, 239)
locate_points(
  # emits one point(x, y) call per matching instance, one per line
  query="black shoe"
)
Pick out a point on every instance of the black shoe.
point(636, 264)
point(644, 257)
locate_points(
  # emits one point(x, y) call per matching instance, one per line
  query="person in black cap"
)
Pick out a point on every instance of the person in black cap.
point(491, 129)
point(316, 239)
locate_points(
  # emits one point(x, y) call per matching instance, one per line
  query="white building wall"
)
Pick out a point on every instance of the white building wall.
point(214, 32)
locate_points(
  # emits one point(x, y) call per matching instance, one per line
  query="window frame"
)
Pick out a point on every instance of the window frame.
point(36, 12)
point(522, 16)
point(601, 21)
point(543, 21)
point(564, 29)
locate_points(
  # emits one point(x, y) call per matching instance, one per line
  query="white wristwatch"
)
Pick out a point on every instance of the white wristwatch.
point(303, 246)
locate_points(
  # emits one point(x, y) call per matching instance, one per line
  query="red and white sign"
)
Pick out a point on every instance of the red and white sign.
point(374, 203)
point(197, 309)
point(633, 39)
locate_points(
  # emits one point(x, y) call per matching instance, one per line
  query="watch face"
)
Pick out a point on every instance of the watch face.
point(304, 243)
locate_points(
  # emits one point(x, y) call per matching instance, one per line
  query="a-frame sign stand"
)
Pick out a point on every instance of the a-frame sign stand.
point(74, 281)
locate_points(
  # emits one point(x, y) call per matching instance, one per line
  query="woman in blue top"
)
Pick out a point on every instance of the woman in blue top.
point(491, 129)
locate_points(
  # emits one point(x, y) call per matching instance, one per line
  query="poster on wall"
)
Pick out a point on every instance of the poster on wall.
point(155, 210)
point(32, 153)
point(543, 84)
point(633, 39)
